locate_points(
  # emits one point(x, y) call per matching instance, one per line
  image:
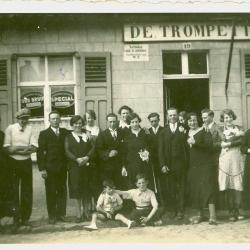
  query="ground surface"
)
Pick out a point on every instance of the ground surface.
point(171, 232)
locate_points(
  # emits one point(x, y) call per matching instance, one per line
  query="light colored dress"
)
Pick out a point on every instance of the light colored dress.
point(231, 161)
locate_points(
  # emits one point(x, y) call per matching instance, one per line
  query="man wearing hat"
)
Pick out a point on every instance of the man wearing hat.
point(20, 143)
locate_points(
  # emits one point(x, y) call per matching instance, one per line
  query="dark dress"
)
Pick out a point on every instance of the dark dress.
point(134, 164)
point(246, 179)
point(202, 176)
point(79, 176)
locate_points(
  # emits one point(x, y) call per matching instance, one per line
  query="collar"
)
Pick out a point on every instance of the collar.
point(210, 125)
point(155, 129)
point(55, 129)
point(136, 133)
point(20, 128)
point(112, 130)
point(83, 135)
point(191, 133)
point(123, 124)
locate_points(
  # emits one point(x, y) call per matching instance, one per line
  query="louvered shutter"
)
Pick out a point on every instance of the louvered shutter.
point(246, 88)
point(5, 92)
point(96, 84)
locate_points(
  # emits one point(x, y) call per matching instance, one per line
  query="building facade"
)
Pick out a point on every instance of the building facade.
point(75, 62)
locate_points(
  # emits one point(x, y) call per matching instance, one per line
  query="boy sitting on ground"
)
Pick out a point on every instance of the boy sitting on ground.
point(108, 206)
point(146, 211)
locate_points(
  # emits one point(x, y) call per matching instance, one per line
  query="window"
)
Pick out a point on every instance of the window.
point(185, 64)
point(49, 78)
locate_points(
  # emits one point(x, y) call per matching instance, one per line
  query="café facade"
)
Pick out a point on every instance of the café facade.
point(75, 62)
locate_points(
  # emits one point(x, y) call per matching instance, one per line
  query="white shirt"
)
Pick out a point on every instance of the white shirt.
point(155, 129)
point(56, 130)
point(113, 132)
point(141, 199)
point(15, 135)
point(94, 130)
point(108, 202)
point(173, 127)
point(210, 125)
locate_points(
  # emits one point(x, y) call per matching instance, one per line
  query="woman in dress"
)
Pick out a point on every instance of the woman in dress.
point(231, 163)
point(89, 119)
point(137, 152)
point(79, 151)
point(202, 176)
point(93, 131)
point(124, 112)
point(245, 149)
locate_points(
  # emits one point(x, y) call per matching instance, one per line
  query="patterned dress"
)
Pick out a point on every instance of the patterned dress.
point(231, 161)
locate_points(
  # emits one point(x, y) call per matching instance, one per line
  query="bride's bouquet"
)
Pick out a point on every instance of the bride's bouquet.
point(144, 155)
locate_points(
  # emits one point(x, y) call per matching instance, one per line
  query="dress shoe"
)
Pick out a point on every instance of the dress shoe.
point(52, 221)
point(25, 223)
point(61, 219)
point(180, 216)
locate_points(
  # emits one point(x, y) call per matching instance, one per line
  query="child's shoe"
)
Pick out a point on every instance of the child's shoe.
point(91, 227)
point(158, 223)
point(131, 224)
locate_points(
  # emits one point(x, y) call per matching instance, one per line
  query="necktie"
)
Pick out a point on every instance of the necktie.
point(80, 137)
point(57, 132)
point(113, 135)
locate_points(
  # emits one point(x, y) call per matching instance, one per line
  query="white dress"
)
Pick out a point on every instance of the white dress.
point(231, 162)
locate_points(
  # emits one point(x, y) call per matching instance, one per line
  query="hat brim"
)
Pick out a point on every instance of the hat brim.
point(22, 116)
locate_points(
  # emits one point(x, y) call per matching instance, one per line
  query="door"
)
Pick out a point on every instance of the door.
point(190, 95)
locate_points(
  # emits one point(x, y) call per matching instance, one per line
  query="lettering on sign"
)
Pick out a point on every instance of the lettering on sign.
point(184, 32)
point(186, 46)
point(62, 99)
point(32, 100)
point(135, 52)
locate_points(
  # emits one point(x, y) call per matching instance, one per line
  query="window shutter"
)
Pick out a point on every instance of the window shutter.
point(96, 84)
point(245, 63)
point(5, 92)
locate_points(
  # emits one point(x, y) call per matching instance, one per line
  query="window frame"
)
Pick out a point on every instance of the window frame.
point(185, 66)
point(46, 84)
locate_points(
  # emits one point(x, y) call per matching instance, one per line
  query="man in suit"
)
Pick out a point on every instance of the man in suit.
point(210, 125)
point(154, 130)
point(108, 147)
point(173, 157)
point(52, 164)
point(213, 128)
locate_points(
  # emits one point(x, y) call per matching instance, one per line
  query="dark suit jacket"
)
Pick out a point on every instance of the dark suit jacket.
point(104, 144)
point(173, 148)
point(51, 153)
point(215, 131)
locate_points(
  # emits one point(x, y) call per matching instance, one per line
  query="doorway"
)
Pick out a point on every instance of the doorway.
point(191, 95)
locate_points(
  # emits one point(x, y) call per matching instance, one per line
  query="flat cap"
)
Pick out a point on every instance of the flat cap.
point(23, 113)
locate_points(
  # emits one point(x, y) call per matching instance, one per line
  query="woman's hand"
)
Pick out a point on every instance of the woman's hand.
point(109, 215)
point(165, 169)
point(79, 161)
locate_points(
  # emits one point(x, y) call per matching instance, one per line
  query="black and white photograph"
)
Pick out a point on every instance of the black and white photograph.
point(124, 127)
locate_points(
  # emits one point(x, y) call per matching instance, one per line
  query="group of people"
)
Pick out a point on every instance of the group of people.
point(184, 163)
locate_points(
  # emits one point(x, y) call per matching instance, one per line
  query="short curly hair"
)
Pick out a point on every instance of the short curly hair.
point(91, 113)
point(75, 119)
point(132, 116)
point(228, 112)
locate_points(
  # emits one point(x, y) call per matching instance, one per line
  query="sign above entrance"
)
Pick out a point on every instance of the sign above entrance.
point(135, 52)
point(183, 32)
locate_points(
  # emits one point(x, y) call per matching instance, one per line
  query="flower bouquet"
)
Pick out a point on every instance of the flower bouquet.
point(144, 155)
point(233, 133)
